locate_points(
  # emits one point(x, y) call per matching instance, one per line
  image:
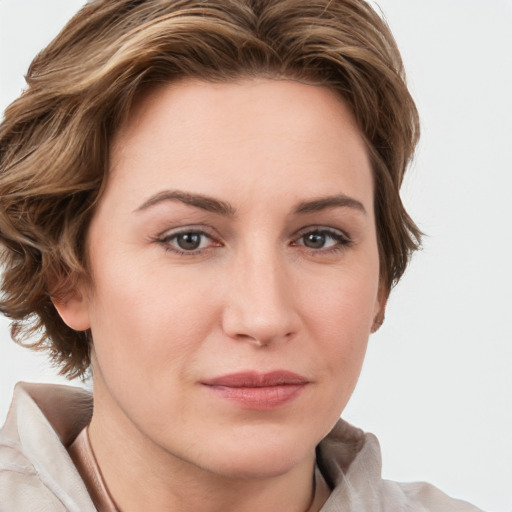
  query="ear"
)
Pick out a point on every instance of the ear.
point(380, 306)
point(73, 308)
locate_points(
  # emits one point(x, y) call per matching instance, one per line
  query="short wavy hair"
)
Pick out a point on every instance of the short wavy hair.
point(55, 138)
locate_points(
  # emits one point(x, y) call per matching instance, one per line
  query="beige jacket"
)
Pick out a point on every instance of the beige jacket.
point(37, 475)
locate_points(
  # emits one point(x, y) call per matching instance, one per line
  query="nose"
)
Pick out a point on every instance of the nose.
point(260, 305)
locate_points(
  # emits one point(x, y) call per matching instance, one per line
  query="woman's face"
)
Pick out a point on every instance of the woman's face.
point(235, 273)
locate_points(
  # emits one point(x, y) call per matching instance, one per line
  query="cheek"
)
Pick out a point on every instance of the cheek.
point(340, 317)
point(145, 321)
point(346, 302)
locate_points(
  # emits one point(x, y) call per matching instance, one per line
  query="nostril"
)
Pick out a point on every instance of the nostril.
point(263, 341)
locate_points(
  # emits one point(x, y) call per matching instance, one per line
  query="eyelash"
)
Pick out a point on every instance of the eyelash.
point(165, 241)
point(342, 241)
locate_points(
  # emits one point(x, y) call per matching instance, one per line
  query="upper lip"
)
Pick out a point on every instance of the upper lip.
point(254, 379)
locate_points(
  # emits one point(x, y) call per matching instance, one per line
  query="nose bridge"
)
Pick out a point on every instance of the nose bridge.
point(260, 271)
point(260, 304)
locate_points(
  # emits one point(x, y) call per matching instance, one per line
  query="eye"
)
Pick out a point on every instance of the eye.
point(323, 240)
point(189, 241)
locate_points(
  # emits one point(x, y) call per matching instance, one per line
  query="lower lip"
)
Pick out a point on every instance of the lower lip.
point(259, 398)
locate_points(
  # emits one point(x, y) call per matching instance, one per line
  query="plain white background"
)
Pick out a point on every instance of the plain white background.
point(436, 387)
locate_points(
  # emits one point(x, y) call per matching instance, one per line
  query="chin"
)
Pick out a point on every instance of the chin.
point(259, 465)
point(258, 455)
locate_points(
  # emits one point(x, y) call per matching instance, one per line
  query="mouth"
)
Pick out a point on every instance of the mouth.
point(258, 391)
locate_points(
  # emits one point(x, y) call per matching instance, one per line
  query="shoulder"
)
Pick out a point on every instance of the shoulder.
point(351, 462)
point(421, 497)
point(36, 472)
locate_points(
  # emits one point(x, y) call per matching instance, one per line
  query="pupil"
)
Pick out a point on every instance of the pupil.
point(314, 240)
point(189, 241)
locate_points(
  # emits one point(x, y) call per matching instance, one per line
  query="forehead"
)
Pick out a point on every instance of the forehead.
point(205, 135)
point(194, 103)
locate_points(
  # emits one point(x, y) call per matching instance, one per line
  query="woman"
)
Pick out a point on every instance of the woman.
point(200, 204)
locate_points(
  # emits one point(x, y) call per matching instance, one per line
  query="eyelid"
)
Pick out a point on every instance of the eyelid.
point(340, 236)
point(322, 229)
point(166, 236)
point(342, 239)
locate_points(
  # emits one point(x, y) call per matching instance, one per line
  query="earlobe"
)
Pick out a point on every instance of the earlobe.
point(377, 322)
point(380, 314)
point(73, 309)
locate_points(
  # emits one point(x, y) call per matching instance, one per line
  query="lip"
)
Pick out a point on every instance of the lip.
point(258, 391)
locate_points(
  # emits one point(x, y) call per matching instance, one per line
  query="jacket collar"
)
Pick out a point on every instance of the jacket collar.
point(42, 421)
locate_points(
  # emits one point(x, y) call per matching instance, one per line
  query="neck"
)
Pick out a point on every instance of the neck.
point(143, 476)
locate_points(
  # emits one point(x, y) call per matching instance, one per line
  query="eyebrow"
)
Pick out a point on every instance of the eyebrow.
point(213, 205)
point(203, 202)
point(323, 203)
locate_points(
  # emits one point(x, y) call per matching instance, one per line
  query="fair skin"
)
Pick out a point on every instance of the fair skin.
point(236, 234)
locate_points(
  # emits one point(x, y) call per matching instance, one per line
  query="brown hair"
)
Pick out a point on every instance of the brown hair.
point(54, 140)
